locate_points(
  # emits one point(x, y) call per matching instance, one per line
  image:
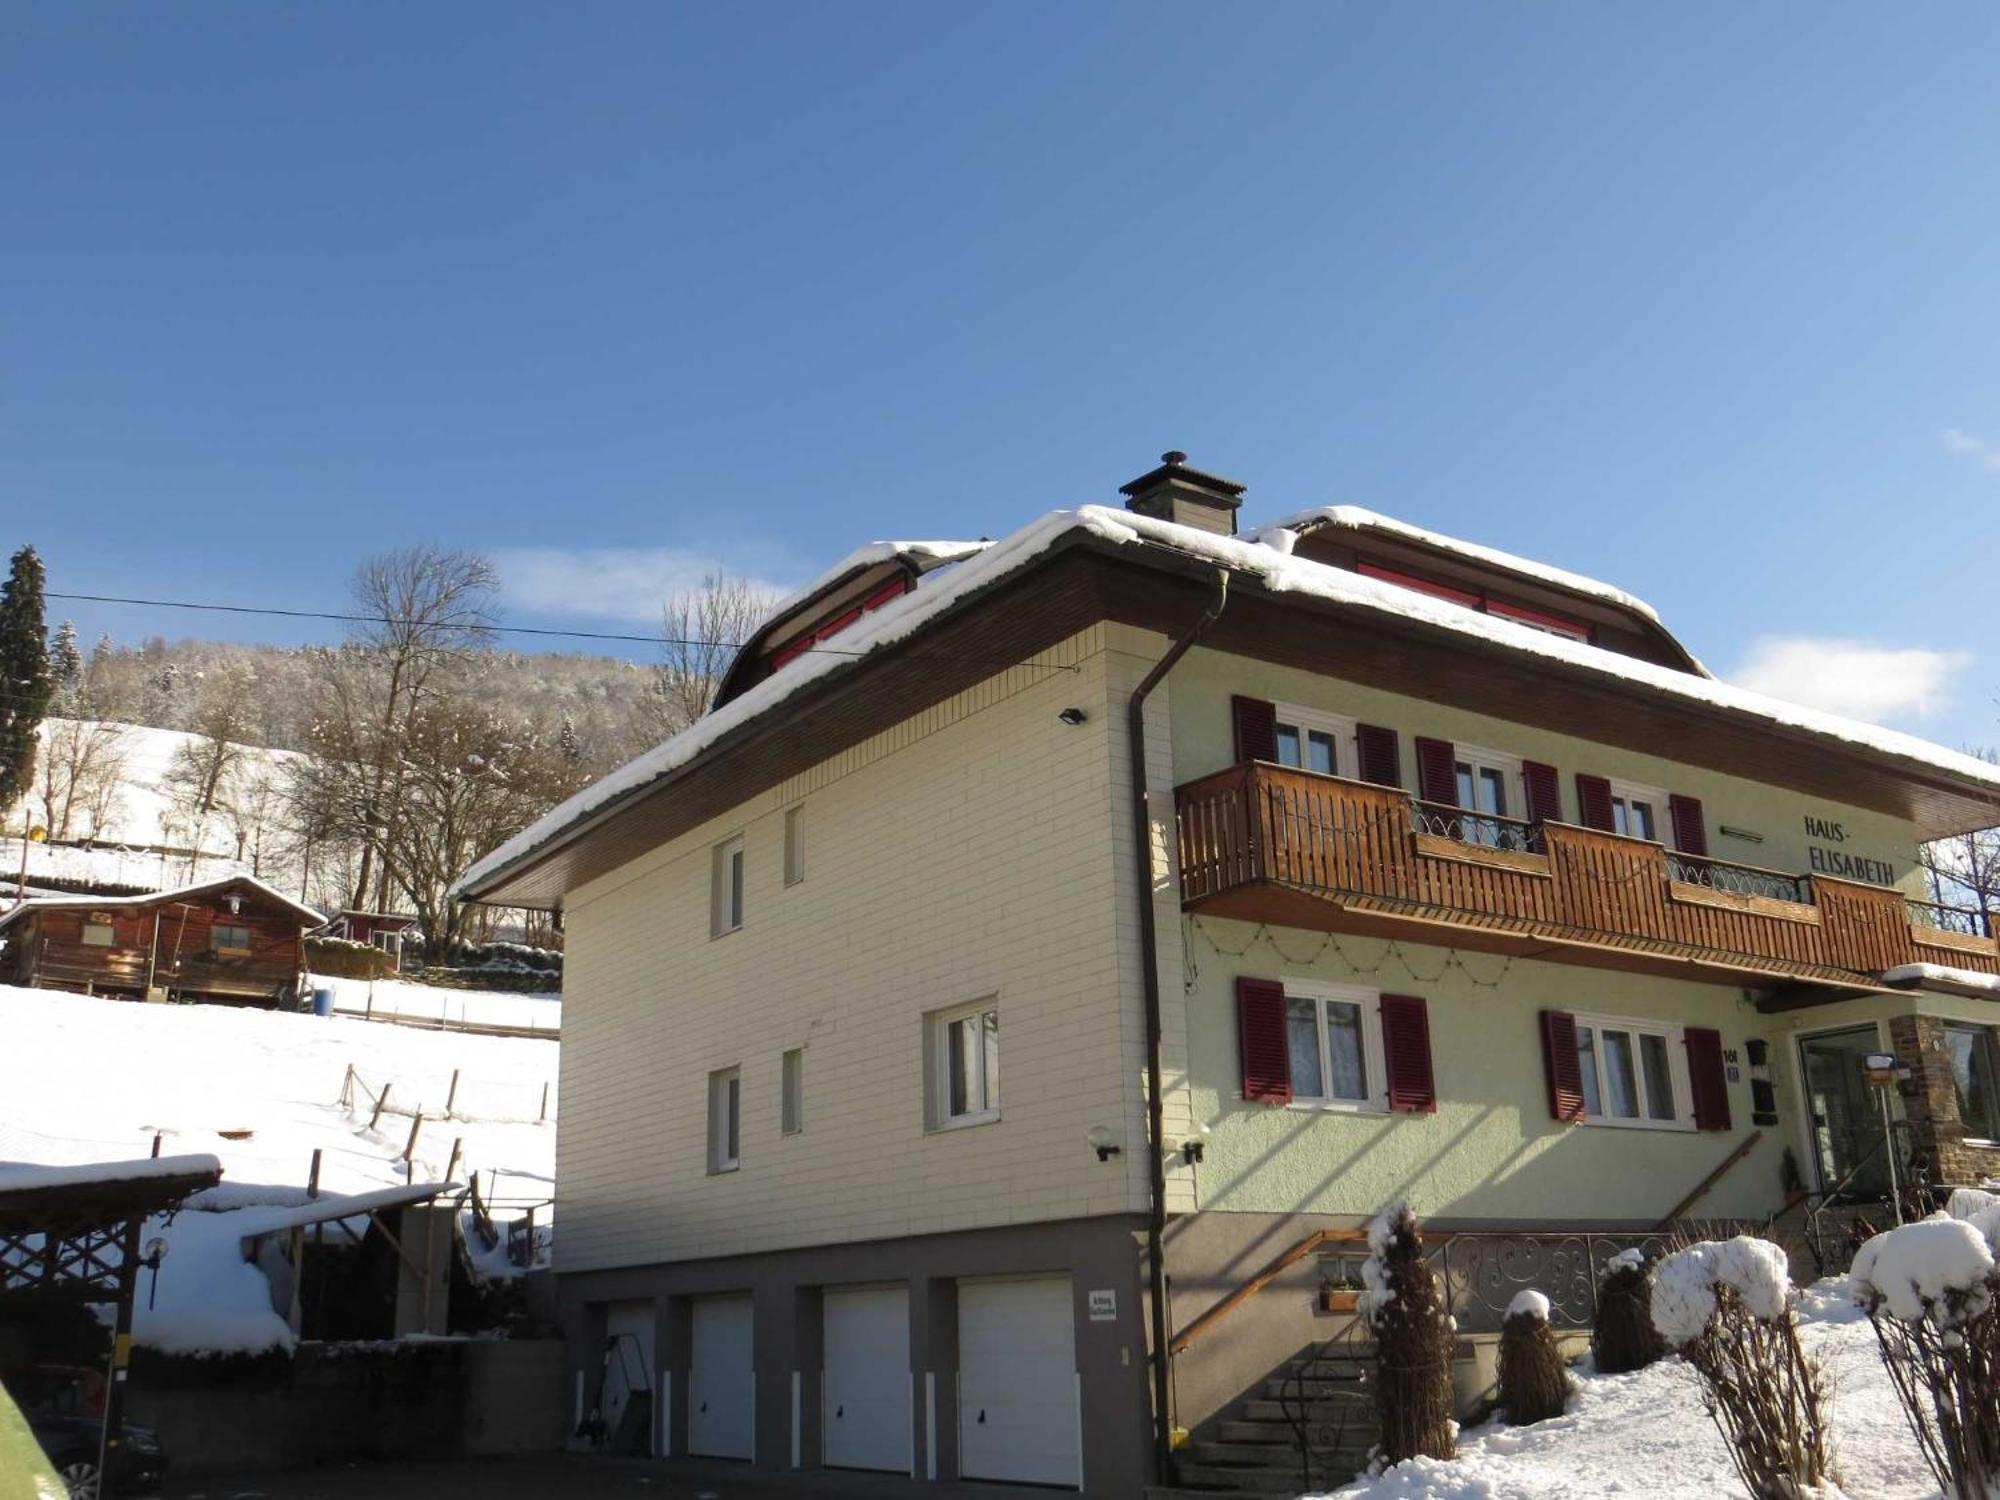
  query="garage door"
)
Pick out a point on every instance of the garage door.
point(1017, 1387)
point(722, 1391)
point(866, 1407)
point(628, 1377)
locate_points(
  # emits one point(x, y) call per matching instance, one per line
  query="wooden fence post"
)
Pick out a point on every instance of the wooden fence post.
point(312, 1177)
point(381, 1103)
point(545, 1103)
point(451, 1098)
point(410, 1146)
point(451, 1167)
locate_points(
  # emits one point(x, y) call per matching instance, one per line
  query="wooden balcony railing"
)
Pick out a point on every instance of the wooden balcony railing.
point(1269, 843)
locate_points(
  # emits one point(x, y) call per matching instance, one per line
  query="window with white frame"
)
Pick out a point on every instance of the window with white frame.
point(1638, 812)
point(965, 1065)
point(1334, 1038)
point(795, 845)
point(792, 1091)
point(1634, 1073)
point(725, 1100)
point(1973, 1079)
point(1489, 781)
point(1316, 741)
point(725, 903)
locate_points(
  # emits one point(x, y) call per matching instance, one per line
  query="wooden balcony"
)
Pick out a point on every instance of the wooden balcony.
point(1265, 843)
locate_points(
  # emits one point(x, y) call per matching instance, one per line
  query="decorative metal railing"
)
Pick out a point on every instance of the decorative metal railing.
point(1967, 921)
point(1738, 880)
point(1488, 830)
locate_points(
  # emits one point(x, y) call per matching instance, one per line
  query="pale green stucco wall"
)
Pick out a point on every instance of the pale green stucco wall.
point(1491, 1151)
point(1203, 742)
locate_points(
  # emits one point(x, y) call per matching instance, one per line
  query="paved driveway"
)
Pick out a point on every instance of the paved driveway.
point(572, 1477)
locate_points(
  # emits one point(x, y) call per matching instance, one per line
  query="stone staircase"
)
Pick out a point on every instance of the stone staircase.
point(1254, 1450)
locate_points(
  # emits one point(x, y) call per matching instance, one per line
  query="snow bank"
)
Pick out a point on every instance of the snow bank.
point(84, 1080)
point(1911, 1268)
point(903, 618)
point(1645, 1436)
point(1684, 1284)
point(1531, 1302)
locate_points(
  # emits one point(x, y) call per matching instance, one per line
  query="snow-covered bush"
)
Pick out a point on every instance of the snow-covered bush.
point(1624, 1338)
point(1727, 1307)
point(1933, 1295)
point(1413, 1332)
point(1534, 1379)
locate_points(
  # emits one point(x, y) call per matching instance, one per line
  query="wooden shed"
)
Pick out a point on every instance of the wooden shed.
point(233, 941)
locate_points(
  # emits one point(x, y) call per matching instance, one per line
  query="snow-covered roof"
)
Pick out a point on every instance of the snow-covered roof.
point(1359, 518)
point(179, 893)
point(255, 1221)
point(26, 1178)
point(1936, 976)
point(107, 864)
point(923, 555)
point(1276, 571)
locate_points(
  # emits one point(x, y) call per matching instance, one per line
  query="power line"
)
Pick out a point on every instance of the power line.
point(574, 635)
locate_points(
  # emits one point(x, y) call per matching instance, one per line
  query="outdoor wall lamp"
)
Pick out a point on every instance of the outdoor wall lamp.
point(1104, 1143)
point(1072, 716)
point(1192, 1152)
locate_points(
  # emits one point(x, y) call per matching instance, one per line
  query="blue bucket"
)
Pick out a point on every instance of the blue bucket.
point(323, 1001)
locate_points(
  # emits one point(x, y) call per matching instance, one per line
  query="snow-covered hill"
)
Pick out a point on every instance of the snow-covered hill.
point(87, 1080)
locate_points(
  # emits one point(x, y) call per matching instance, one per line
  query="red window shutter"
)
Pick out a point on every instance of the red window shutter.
point(1690, 832)
point(1406, 1054)
point(790, 653)
point(837, 624)
point(1593, 802)
point(895, 588)
point(1563, 1067)
point(1381, 760)
point(1260, 1032)
point(1706, 1079)
point(1544, 792)
point(1256, 728)
point(1420, 585)
point(1437, 771)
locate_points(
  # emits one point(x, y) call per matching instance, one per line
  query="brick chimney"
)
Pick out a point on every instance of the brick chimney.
point(1174, 492)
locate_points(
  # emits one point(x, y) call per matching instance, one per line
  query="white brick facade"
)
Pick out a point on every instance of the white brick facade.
point(980, 848)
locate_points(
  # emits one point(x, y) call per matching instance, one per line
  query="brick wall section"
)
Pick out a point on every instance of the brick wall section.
point(1930, 1104)
point(971, 851)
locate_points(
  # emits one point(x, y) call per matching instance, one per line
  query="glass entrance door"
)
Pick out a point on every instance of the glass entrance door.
point(1845, 1113)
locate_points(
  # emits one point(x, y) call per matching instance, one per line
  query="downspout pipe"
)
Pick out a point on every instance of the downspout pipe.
point(1149, 967)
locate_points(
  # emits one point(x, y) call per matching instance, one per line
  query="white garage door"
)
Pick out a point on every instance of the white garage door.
point(722, 1390)
point(1017, 1387)
point(866, 1408)
point(628, 1375)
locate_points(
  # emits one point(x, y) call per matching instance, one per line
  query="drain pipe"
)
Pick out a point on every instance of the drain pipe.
point(1149, 961)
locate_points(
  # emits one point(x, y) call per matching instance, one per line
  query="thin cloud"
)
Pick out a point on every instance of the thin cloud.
point(626, 584)
point(1971, 445)
point(1855, 678)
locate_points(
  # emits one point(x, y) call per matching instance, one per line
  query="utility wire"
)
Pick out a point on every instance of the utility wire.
point(575, 635)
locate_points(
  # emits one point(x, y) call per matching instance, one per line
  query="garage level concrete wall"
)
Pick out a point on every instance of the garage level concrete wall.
point(786, 1288)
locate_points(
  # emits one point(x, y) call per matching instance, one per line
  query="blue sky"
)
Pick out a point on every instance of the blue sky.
point(1702, 300)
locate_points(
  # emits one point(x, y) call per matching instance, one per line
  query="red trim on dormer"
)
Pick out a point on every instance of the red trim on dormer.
point(1574, 629)
point(1421, 585)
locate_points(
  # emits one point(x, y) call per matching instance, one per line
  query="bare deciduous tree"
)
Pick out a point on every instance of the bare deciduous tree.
point(699, 634)
point(82, 767)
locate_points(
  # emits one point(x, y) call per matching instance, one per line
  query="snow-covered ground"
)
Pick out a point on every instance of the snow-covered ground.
point(87, 1080)
point(449, 1007)
point(1645, 1436)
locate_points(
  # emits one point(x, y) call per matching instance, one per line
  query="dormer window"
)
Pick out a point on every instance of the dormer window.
point(894, 589)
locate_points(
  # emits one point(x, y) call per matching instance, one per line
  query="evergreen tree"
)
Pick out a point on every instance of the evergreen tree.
point(24, 673)
point(66, 659)
point(568, 743)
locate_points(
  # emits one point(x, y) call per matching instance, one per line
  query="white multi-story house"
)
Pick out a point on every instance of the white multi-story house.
point(1043, 942)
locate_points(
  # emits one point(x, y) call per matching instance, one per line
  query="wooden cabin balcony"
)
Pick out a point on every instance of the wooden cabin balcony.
point(1265, 843)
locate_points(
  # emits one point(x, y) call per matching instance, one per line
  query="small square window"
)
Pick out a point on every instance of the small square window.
point(225, 938)
point(725, 1090)
point(795, 845)
point(965, 1065)
point(726, 887)
point(98, 934)
point(792, 1091)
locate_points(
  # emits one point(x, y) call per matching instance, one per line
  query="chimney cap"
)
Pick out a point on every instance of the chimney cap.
point(1173, 466)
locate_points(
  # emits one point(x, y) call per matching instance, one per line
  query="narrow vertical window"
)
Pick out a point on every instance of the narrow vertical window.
point(726, 891)
point(965, 1065)
point(795, 845)
point(792, 1091)
point(725, 1090)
